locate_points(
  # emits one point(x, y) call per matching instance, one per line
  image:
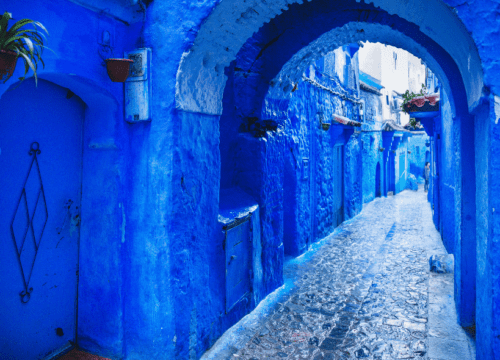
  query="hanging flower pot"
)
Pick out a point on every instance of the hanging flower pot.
point(118, 69)
point(8, 61)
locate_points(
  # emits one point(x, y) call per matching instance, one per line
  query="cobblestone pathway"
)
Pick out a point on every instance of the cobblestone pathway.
point(364, 295)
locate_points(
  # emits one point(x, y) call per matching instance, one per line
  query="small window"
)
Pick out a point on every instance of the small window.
point(387, 99)
point(362, 111)
point(395, 56)
point(418, 150)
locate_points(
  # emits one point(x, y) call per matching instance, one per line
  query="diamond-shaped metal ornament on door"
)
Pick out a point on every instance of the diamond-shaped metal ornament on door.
point(22, 225)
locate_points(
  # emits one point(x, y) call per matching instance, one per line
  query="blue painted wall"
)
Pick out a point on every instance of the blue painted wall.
point(150, 192)
point(275, 52)
point(418, 146)
point(32, 114)
point(75, 64)
point(372, 157)
point(485, 314)
point(453, 198)
point(310, 164)
point(447, 176)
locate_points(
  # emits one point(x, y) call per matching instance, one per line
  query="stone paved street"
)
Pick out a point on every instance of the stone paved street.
point(365, 292)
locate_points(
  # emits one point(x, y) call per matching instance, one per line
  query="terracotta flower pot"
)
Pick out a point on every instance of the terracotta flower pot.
point(118, 69)
point(8, 61)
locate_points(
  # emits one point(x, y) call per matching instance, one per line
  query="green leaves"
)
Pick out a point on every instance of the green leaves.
point(414, 122)
point(408, 96)
point(26, 43)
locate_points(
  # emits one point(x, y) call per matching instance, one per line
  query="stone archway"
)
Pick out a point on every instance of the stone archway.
point(272, 50)
point(201, 80)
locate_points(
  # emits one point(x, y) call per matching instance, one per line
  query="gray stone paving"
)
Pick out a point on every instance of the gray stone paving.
point(366, 293)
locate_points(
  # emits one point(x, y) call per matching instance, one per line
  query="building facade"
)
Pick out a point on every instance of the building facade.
point(397, 71)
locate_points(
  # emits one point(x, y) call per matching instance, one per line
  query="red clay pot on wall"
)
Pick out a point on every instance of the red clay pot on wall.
point(118, 69)
point(8, 61)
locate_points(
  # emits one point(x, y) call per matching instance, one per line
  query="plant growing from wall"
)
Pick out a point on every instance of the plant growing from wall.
point(414, 123)
point(18, 41)
point(409, 95)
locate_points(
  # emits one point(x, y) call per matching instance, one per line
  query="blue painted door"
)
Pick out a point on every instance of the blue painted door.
point(40, 185)
point(391, 170)
point(402, 174)
point(338, 190)
point(238, 261)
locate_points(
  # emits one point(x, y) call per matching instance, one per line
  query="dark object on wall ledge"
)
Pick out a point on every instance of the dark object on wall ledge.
point(325, 126)
point(342, 120)
point(8, 61)
point(118, 69)
point(257, 127)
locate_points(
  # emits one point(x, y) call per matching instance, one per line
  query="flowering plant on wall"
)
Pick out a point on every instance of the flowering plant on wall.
point(421, 101)
point(410, 95)
point(18, 41)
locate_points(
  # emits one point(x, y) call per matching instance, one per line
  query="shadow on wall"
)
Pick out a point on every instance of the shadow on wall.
point(378, 183)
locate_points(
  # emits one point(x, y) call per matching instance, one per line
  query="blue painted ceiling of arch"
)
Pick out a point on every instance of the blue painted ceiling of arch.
point(263, 56)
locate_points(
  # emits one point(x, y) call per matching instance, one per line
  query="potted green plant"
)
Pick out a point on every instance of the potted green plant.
point(18, 41)
point(421, 101)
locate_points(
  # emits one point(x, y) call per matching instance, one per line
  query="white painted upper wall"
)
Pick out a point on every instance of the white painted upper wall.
point(397, 69)
point(416, 73)
point(370, 60)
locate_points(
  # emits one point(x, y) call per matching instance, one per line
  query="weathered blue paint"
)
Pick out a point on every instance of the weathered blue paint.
point(373, 168)
point(150, 235)
point(76, 65)
point(30, 115)
point(452, 178)
point(321, 166)
point(485, 313)
point(418, 154)
point(448, 175)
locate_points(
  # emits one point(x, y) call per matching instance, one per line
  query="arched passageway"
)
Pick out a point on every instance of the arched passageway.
point(204, 63)
point(265, 67)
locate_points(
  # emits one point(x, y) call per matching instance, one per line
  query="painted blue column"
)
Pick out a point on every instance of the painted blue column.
point(387, 143)
point(487, 143)
point(465, 246)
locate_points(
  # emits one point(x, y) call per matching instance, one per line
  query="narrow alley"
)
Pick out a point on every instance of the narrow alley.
point(250, 179)
point(365, 291)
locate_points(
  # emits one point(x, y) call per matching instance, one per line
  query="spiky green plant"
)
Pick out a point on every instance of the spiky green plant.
point(26, 43)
